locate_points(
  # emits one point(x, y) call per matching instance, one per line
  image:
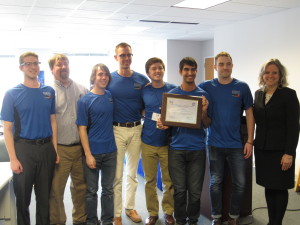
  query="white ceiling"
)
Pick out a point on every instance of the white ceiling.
point(106, 18)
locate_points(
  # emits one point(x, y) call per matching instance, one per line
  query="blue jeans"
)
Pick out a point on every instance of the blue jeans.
point(107, 164)
point(187, 169)
point(237, 166)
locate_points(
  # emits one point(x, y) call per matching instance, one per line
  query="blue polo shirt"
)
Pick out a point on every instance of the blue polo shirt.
point(188, 138)
point(228, 102)
point(152, 98)
point(30, 110)
point(96, 113)
point(127, 95)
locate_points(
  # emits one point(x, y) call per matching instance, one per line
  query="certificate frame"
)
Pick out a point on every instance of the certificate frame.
point(189, 107)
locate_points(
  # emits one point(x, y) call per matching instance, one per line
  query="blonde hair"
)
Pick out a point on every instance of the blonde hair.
point(282, 73)
point(21, 58)
point(122, 45)
point(55, 58)
point(226, 54)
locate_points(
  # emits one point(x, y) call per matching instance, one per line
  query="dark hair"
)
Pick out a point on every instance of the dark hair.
point(27, 54)
point(282, 73)
point(95, 69)
point(187, 61)
point(151, 61)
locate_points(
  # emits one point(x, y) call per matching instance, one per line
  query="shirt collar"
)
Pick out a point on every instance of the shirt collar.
point(58, 83)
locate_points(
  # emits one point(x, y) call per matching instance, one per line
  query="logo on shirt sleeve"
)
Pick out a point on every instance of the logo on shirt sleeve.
point(236, 94)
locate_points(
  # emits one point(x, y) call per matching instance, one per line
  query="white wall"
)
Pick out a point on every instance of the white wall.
point(160, 51)
point(253, 42)
point(176, 50)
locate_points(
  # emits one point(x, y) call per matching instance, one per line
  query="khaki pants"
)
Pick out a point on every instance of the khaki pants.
point(70, 164)
point(151, 156)
point(128, 141)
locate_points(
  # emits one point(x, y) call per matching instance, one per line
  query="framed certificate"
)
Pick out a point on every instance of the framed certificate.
point(181, 110)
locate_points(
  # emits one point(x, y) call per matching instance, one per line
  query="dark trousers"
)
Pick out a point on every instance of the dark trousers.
point(106, 163)
point(187, 169)
point(237, 166)
point(277, 201)
point(38, 163)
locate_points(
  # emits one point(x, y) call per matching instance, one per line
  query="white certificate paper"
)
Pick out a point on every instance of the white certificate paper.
point(181, 110)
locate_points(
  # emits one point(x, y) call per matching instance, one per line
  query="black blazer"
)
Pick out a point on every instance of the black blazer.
point(277, 122)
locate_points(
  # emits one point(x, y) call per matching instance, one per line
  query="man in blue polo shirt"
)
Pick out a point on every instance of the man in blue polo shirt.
point(126, 88)
point(155, 144)
point(187, 155)
point(30, 133)
point(229, 98)
point(94, 119)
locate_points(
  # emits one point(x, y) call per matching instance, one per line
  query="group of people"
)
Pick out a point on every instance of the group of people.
point(65, 130)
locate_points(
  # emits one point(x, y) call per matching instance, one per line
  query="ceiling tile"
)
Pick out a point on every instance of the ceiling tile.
point(106, 17)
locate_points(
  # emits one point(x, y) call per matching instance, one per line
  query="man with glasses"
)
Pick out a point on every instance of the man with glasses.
point(126, 88)
point(30, 133)
point(69, 148)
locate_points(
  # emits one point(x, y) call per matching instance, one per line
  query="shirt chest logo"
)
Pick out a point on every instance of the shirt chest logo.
point(137, 86)
point(47, 94)
point(235, 93)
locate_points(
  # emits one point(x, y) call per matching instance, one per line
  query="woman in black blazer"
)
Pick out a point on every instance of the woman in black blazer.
point(276, 112)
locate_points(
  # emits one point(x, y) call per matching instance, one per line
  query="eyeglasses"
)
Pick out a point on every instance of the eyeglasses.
point(30, 63)
point(125, 55)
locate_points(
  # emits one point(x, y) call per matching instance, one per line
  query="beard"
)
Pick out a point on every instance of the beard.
point(64, 75)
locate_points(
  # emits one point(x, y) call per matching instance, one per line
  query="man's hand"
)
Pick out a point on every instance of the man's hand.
point(57, 159)
point(16, 166)
point(159, 125)
point(204, 103)
point(91, 162)
point(248, 150)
